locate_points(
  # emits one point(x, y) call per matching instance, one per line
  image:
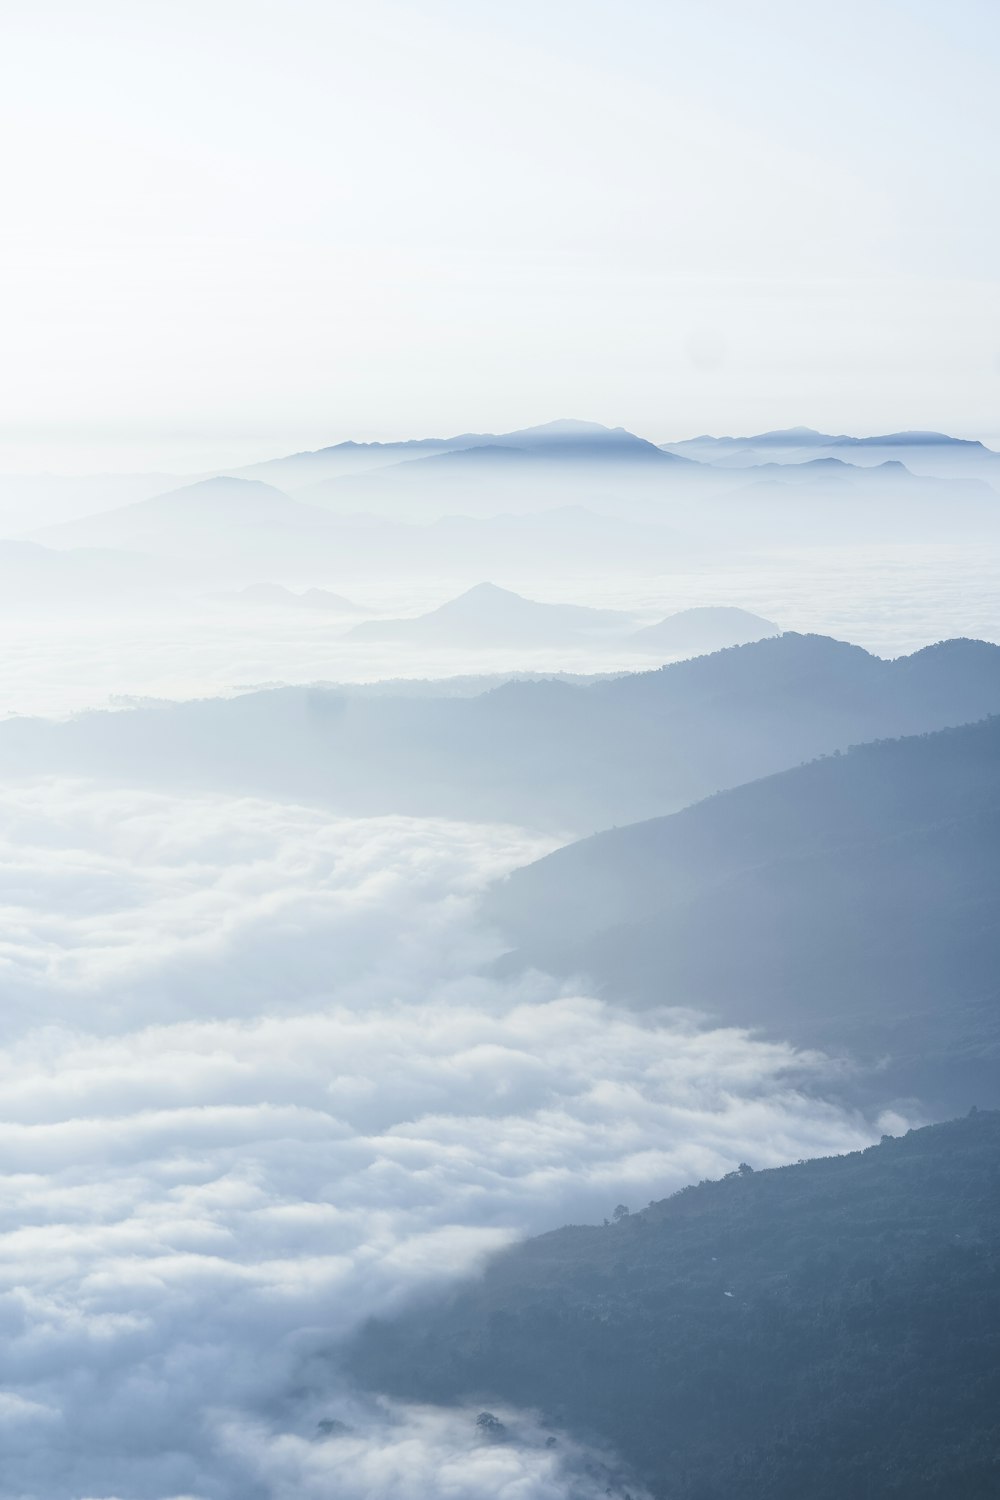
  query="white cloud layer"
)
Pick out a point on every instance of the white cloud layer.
point(255, 1088)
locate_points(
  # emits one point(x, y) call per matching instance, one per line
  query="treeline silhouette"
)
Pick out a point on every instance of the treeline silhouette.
point(829, 1329)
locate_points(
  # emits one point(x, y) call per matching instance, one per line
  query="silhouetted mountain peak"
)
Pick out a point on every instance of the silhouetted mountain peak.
point(486, 591)
point(220, 486)
point(489, 614)
point(571, 427)
point(704, 629)
point(487, 601)
point(568, 437)
point(804, 436)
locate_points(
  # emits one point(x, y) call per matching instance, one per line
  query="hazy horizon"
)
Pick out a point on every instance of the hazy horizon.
point(226, 228)
point(498, 970)
point(187, 459)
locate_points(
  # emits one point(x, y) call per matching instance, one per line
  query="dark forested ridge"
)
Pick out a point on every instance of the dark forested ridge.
point(571, 758)
point(829, 1330)
point(851, 904)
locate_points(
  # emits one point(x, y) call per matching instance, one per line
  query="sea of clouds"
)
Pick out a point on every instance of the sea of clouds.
point(257, 1084)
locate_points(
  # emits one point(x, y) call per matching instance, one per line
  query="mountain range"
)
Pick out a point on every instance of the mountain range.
point(61, 497)
point(191, 521)
point(559, 439)
point(857, 896)
point(235, 529)
point(930, 453)
point(548, 754)
point(489, 616)
point(598, 497)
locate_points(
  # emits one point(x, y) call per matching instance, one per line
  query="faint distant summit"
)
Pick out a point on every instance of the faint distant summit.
point(703, 629)
point(487, 615)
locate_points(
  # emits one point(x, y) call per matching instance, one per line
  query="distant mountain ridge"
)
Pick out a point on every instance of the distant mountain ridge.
point(902, 482)
point(808, 437)
point(560, 439)
point(489, 615)
point(237, 506)
point(566, 461)
point(565, 436)
point(565, 758)
point(52, 499)
point(309, 542)
point(925, 454)
point(849, 904)
point(890, 467)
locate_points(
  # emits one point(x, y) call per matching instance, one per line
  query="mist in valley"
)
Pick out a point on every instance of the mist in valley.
point(499, 819)
point(281, 1056)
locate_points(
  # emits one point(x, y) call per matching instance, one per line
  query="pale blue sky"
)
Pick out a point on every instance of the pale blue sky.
point(234, 228)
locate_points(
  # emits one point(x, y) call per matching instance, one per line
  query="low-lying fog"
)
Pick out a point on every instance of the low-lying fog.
point(258, 1086)
point(891, 601)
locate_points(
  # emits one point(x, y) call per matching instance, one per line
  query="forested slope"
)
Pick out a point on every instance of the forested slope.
point(826, 1330)
point(851, 904)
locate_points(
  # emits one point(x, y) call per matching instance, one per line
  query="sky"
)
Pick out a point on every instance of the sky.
point(234, 229)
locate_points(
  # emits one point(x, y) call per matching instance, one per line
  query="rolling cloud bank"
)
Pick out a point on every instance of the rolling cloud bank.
point(257, 1087)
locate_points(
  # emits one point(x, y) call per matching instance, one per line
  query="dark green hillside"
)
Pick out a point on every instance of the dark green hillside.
point(826, 1331)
